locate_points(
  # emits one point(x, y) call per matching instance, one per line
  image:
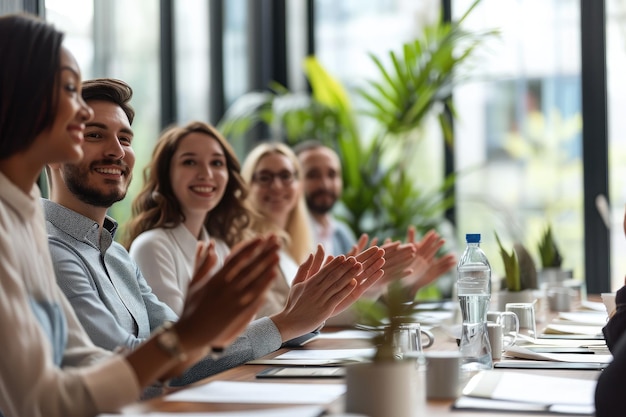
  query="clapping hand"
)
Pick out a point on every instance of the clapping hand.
point(426, 266)
point(323, 287)
point(218, 308)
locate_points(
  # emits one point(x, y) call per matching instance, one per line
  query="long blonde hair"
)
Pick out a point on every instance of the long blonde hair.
point(297, 234)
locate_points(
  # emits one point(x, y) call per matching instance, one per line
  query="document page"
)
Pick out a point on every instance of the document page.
point(328, 354)
point(583, 330)
point(531, 388)
point(322, 357)
point(593, 306)
point(260, 393)
point(482, 404)
point(307, 411)
point(582, 318)
point(347, 334)
point(523, 353)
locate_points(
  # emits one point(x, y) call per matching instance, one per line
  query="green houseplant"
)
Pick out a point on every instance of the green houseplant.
point(520, 275)
point(549, 253)
point(551, 272)
point(382, 191)
point(511, 267)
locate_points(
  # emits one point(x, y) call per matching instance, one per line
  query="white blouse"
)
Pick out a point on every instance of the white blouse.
point(166, 258)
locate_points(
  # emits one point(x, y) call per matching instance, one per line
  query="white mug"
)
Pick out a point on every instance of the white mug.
point(494, 331)
point(443, 374)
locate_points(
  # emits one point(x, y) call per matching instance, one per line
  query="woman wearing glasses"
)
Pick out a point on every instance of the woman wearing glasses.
point(273, 173)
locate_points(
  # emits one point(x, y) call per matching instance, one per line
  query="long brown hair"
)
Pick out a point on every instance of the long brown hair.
point(157, 206)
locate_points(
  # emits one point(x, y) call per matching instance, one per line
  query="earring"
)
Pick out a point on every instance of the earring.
point(156, 196)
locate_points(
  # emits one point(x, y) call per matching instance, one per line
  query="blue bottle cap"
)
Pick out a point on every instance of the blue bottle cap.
point(472, 238)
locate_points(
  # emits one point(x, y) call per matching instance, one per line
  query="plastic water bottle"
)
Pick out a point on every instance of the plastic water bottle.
point(474, 292)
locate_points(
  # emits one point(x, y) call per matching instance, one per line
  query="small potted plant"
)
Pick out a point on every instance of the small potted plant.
point(386, 386)
point(520, 276)
point(551, 272)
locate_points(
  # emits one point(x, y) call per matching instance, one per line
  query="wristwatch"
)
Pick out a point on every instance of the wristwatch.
point(216, 352)
point(167, 339)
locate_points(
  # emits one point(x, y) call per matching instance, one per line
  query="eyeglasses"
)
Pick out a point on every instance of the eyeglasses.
point(266, 178)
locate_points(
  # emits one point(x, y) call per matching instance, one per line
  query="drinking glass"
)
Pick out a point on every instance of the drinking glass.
point(525, 313)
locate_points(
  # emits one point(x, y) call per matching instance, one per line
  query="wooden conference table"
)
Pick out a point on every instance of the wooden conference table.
point(247, 373)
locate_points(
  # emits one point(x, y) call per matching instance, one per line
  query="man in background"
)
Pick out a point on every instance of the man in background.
point(322, 186)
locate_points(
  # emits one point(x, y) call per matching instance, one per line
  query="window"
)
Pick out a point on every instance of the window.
point(104, 37)
point(518, 139)
point(192, 60)
point(616, 85)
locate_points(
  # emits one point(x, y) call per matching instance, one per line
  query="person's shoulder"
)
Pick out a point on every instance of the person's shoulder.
point(342, 227)
point(150, 236)
point(59, 240)
point(153, 233)
point(149, 242)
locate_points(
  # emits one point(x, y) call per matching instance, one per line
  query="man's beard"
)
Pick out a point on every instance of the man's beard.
point(321, 208)
point(76, 181)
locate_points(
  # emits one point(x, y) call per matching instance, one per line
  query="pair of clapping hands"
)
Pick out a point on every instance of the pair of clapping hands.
point(413, 262)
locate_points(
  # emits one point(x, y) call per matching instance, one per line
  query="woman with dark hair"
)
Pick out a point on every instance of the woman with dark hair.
point(48, 364)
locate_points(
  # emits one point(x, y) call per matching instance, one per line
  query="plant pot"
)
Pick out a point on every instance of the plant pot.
point(553, 277)
point(383, 389)
point(506, 296)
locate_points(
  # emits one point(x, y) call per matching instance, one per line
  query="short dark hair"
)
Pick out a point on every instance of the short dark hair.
point(111, 90)
point(30, 52)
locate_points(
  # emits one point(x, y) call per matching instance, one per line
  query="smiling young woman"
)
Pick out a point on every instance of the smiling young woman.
point(192, 192)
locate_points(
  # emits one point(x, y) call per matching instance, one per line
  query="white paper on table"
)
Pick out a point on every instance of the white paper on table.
point(573, 329)
point(306, 411)
point(593, 306)
point(523, 340)
point(583, 318)
point(317, 357)
point(487, 404)
point(260, 393)
point(328, 354)
point(523, 353)
point(531, 388)
point(347, 334)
